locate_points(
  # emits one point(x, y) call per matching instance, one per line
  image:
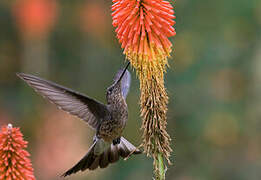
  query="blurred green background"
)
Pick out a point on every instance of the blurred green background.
point(214, 84)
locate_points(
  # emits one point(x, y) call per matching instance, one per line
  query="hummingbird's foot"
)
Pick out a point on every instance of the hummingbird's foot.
point(116, 141)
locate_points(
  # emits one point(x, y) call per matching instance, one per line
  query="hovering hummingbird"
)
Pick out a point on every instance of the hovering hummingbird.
point(107, 120)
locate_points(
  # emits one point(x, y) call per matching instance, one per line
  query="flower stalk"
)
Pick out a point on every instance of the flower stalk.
point(161, 167)
point(143, 28)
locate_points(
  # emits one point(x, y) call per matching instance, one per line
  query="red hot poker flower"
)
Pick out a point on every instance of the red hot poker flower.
point(35, 18)
point(143, 28)
point(14, 163)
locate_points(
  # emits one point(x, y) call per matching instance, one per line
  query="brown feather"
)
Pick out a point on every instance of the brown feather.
point(95, 163)
point(110, 155)
point(104, 160)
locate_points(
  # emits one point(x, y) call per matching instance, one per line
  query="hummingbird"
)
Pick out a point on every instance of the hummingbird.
point(108, 120)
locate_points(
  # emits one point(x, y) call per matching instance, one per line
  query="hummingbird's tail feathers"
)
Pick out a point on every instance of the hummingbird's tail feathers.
point(111, 154)
point(125, 148)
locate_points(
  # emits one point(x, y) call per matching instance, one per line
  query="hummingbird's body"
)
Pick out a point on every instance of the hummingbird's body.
point(108, 120)
point(112, 126)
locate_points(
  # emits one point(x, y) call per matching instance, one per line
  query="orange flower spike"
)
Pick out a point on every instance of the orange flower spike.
point(14, 163)
point(143, 28)
point(136, 20)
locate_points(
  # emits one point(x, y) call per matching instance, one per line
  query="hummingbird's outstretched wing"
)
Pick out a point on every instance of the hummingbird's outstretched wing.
point(87, 109)
point(125, 81)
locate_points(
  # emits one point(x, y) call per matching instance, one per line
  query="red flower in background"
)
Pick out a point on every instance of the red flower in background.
point(35, 17)
point(93, 19)
point(14, 163)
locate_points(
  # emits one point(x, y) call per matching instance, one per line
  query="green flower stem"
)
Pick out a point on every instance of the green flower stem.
point(160, 172)
point(161, 167)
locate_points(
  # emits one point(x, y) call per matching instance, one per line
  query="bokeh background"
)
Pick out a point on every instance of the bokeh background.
point(214, 84)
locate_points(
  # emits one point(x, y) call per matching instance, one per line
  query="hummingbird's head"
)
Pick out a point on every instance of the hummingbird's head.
point(115, 91)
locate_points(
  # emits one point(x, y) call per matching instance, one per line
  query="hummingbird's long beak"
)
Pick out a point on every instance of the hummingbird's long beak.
point(122, 74)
